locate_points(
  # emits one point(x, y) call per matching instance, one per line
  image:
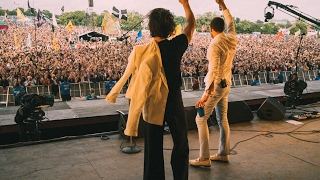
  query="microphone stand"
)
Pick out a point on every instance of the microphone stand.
point(298, 52)
point(124, 36)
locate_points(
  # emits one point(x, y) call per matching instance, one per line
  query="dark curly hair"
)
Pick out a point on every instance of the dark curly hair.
point(161, 22)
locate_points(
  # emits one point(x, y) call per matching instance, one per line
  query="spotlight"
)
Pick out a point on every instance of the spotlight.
point(268, 14)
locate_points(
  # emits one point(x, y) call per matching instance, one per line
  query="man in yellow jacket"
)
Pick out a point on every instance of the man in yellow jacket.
point(155, 91)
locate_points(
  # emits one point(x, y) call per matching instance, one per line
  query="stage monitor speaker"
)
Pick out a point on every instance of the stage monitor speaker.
point(238, 112)
point(123, 121)
point(271, 109)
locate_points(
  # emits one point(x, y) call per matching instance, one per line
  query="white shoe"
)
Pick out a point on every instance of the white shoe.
point(217, 157)
point(198, 162)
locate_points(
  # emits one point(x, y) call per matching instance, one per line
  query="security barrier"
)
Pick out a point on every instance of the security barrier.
point(83, 89)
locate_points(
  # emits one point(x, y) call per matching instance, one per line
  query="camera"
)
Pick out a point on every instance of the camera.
point(223, 83)
point(31, 106)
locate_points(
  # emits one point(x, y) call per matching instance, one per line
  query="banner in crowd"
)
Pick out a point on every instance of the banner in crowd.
point(54, 20)
point(6, 17)
point(279, 34)
point(28, 43)
point(108, 24)
point(121, 15)
point(70, 27)
point(16, 42)
point(139, 36)
point(54, 42)
point(3, 25)
point(20, 14)
point(41, 19)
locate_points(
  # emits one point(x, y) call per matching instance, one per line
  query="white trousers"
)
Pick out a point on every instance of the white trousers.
point(218, 100)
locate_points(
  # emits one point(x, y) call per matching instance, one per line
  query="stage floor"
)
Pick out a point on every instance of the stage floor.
point(284, 149)
point(81, 108)
point(266, 150)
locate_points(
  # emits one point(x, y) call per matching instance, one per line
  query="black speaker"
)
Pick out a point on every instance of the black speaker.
point(90, 3)
point(191, 114)
point(123, 121)
point(238, 112)
point(271, 109)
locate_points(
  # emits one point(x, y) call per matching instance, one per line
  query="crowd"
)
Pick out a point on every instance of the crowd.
point(38, 63)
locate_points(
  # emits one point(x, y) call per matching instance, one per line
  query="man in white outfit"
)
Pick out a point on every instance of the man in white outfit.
point(220, 54)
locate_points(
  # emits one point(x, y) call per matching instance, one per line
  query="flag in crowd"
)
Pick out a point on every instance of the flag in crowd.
point(15, 38)
point(297, 33)
point(204, 28)
point(28, 43)
point(139, 36)
point(5, 15)
point(41, 19)
point(3, 25)
point(54, 42)
point(120, 14)
point(279, 34)
point(70, 27)
point(115, 12)
point(29, 7)
point(108, 24)
point(20, 14)
point(124, 14)
point(54, 20)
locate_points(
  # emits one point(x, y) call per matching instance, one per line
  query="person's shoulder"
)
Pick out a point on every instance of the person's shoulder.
point(181, 37)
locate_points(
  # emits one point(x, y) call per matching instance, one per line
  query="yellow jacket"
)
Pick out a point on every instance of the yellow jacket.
point(148, 89)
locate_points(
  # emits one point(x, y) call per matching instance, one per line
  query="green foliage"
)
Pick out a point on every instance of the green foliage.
point(293, 30)
point(180, 20)
point(133, 22)
point(205, 19)
point(77, 18)
point(134, 19)
point(47, 13)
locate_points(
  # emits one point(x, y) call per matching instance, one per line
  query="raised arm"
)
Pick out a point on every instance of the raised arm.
point(191, 22)
point(228, 18)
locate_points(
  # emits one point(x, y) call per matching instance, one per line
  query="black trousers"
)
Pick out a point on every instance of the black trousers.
point(153, 155)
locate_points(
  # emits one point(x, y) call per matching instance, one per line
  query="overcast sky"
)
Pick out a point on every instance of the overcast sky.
point(251, 10)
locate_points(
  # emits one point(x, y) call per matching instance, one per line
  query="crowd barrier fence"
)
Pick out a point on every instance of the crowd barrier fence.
point(83, 89)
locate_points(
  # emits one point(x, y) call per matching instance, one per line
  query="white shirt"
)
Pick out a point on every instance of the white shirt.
point(221, 53)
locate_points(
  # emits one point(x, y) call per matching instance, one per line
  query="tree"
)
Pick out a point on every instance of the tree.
point(302, 25)
point(133, 22)
point(205, 19)
point(180, 20)
point(237, 20)
point(244, 27)
point(77, 18)
point(266, 28)
point(47, 13)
